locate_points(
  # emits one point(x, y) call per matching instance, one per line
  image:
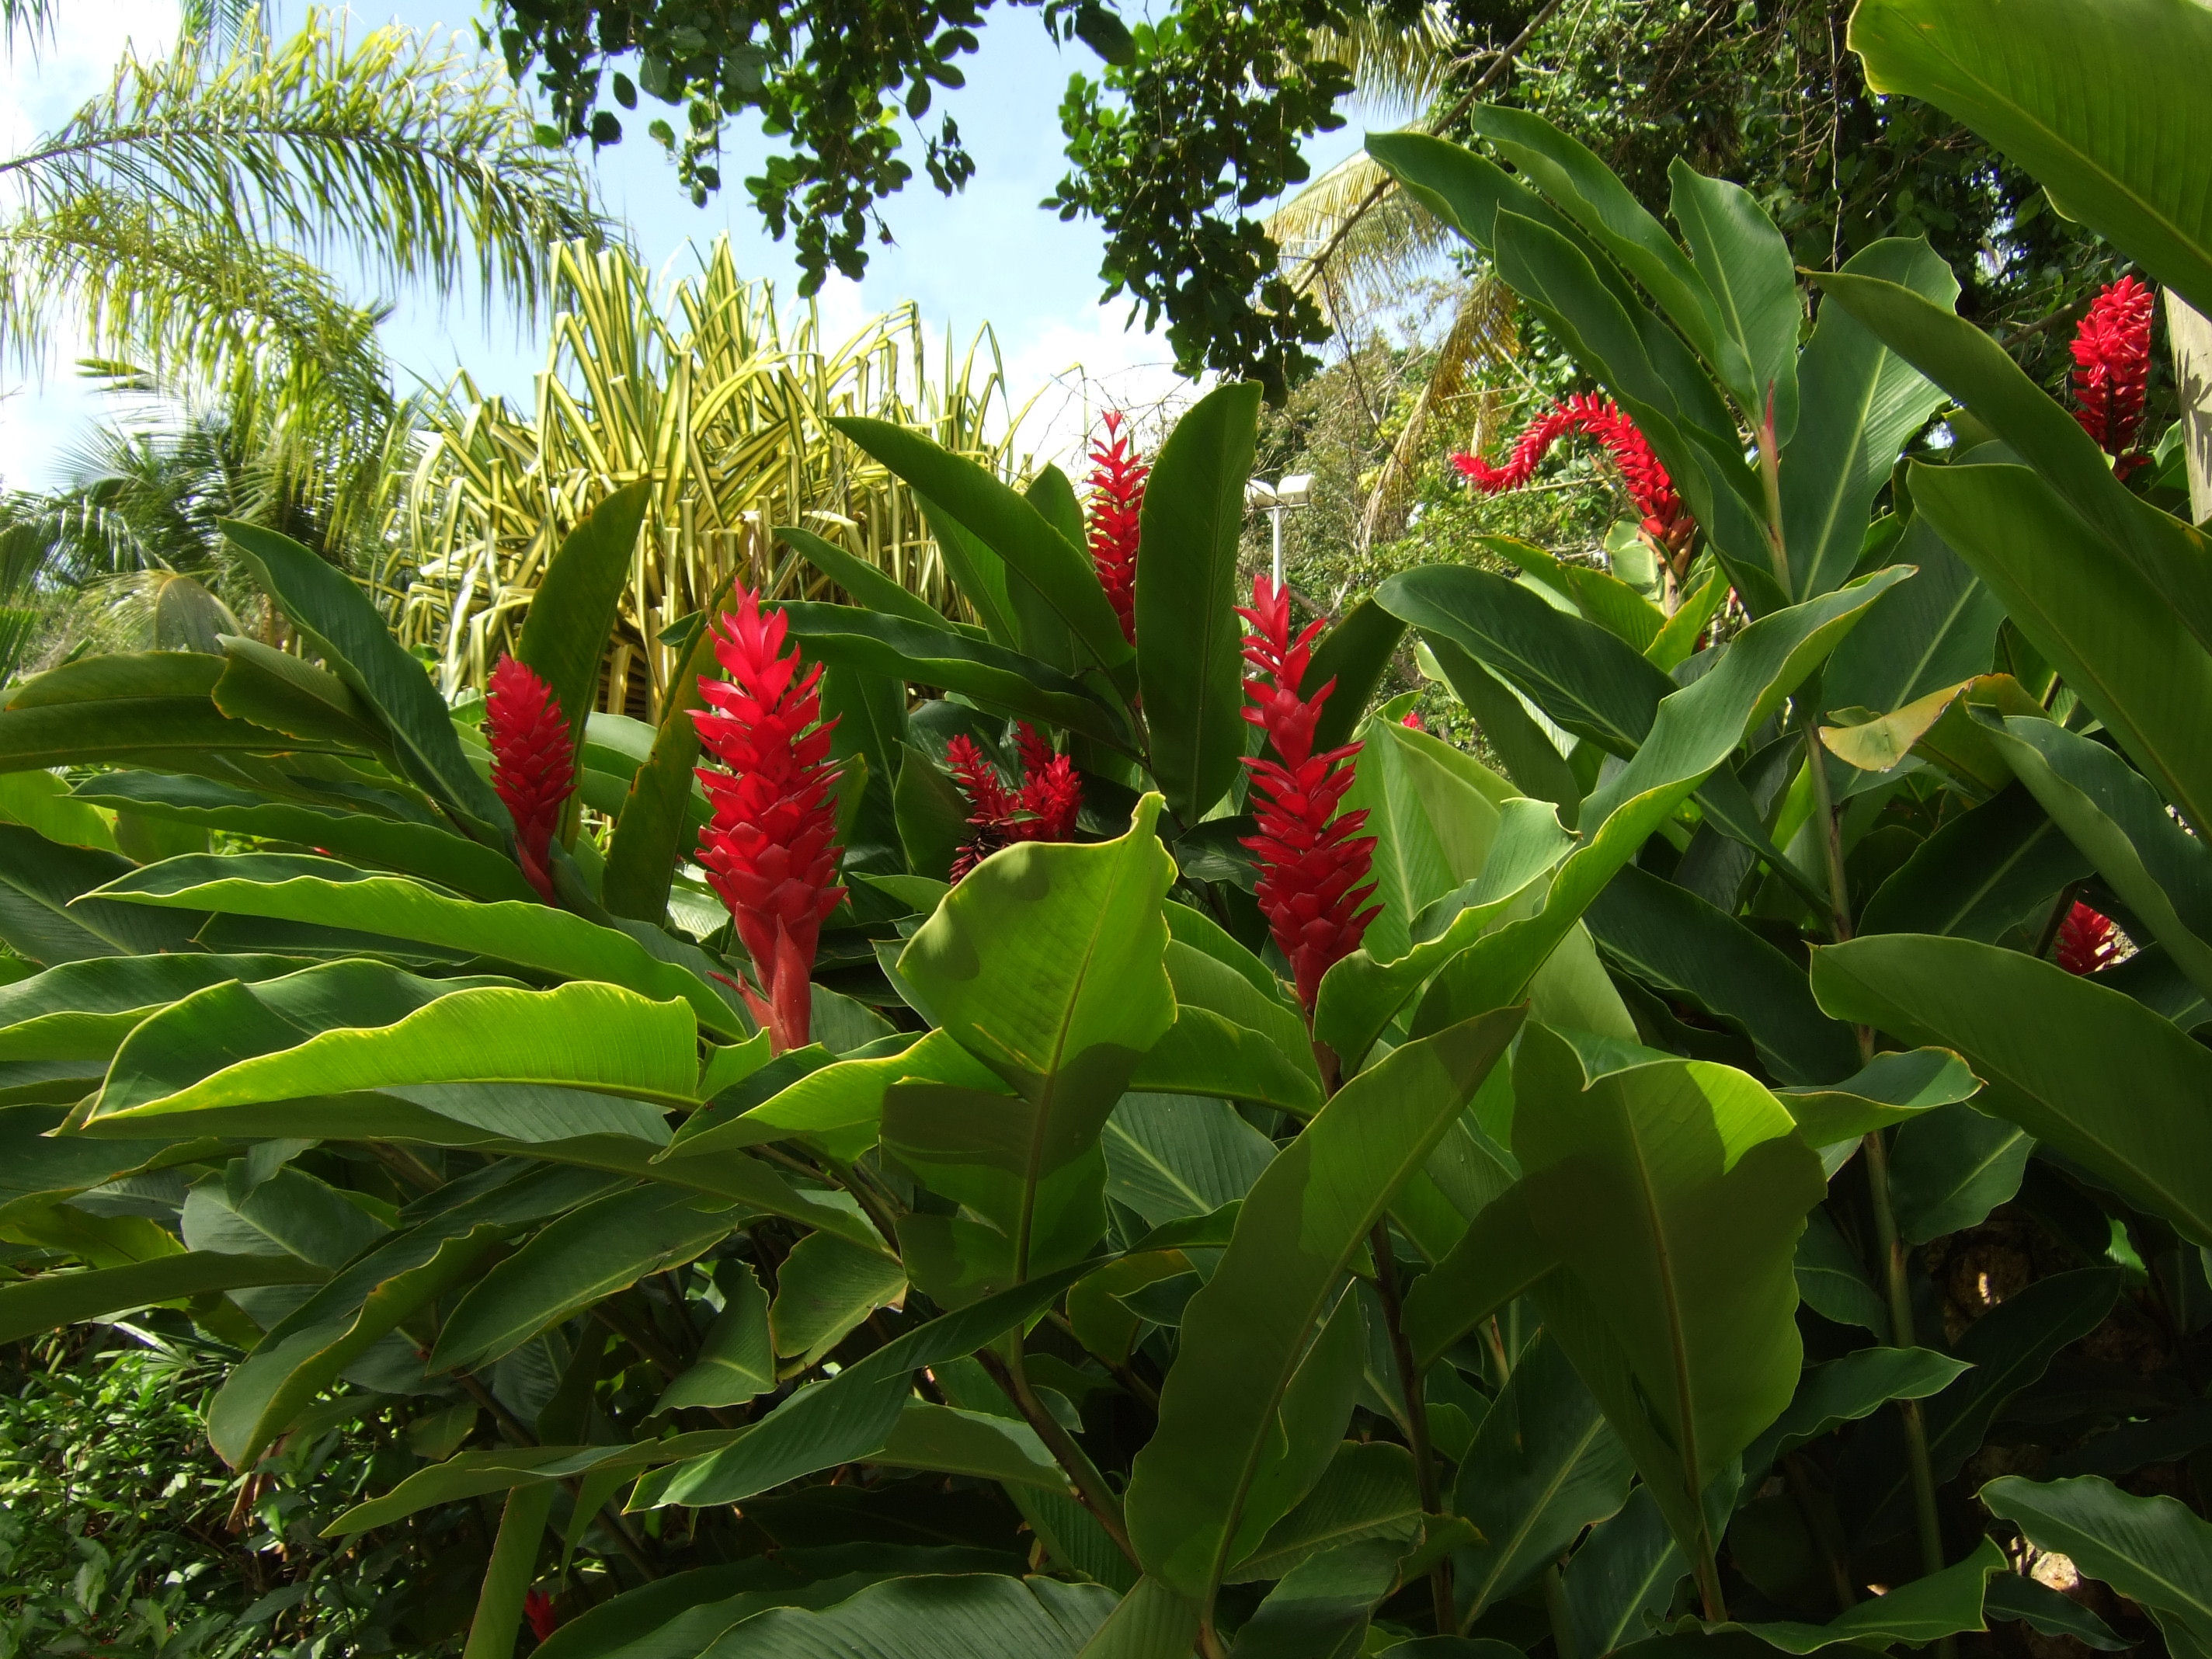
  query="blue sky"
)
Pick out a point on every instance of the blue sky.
point(989, 254)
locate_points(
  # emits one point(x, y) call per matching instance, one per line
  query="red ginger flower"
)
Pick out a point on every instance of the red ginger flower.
point(537, 1609)
point(771, 850)
point(2111, 368)
point(1043, 807)
point(533, 763)
point(1666, 520)
point(1117, 498)
point(2087, 941)
point(1311, 856)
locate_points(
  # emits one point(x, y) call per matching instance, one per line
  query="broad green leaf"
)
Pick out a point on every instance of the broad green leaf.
point(1861, 403)
point(1573, 176)
point(1367, 1492)
point(564, 632)
point(1320, 1609)
point(290, 1213)
point(975, 1615)
point(311, 1346)
point(2166, 553)
point(997, 679)
point(1172, 1156)
point(2051, 1612)
point(1951, 1167)
point(588, 1254)
point(359, 1026)
point(39, 1168)
point(2151, 1550)
point(837, 1106)
point(980, 1445)
point(46, 1302)
point(848, 1417)
point(1750, 286)
point(653, 831)
point(264, 686)
point(1981, 875)
point(1202, 980)
point(1523, 747)
point(1189, 664)
point(867, 585)
point(979, 574)
point(1039, 629)
point(1355, 654)
point(931, 813)
point(824, 1288)
point(1844, 1390)
point(1599, 595)
point(1010, 526)
point(1544, 1466)
point(1621, 1580)
point(1047, 964)
point(1673, 1194)
point(43, 802)
point(1942, 1604)
point(1832, 1281)
point(2160, 872)
point(2084, 1069)
point(415, 849)
point(1891, 1089)
point(1192, 1502)
point(48, 914)
point(1586, 679)
point(2105, 107)
point(502, 1595)
point(736, 1362)
point(149, 709)
point(1500, 1256)
point(295, 887)
point(1152, 1622)
point(1674, 941)
point(2009, 1348)
point(345, 627)
point(473, 1473)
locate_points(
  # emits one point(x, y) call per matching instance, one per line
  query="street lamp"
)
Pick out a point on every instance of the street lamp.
point(1275, 499)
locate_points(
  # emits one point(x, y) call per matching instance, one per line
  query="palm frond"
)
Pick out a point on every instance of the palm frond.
point(1397, 66)
point(1353, 230)
point(1481, 332)
point(418, 158)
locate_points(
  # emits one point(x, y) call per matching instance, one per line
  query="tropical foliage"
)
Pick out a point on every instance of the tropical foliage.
point(1070, 1134)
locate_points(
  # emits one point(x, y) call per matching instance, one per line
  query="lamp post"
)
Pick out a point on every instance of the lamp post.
point(1275, 499)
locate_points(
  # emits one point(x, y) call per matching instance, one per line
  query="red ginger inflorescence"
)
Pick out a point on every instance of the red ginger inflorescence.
point(1312, 857)
point(771, 849)
point(1666, 520)
point(533, 763)
point(1043, 807)
point(537, 1609)
point(1117, 500)
point(2087, 941)
point(2112, 369)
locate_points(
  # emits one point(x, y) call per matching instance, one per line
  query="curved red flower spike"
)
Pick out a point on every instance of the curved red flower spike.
point(1666, 520)
point(1043, 807)
point(2087, 941)
point(1312, 858)
point(1117, 500)
point(533, 763)
point(2112, 369)
point(771, 850)
point(537, 1609)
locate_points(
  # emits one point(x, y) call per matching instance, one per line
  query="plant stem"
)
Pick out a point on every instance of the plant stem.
point(1831, 833)
point(1417, 1422)
point(1555, 1609)
point(1901, 1318)
point(1091, 1488)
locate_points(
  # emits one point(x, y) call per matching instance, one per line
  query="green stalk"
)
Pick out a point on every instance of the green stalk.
point(1417, 1423)
point(1901, 1318)
point(1556, 1610)
point(1084, 1475)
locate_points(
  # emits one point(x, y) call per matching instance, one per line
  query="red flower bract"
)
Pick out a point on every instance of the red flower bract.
point(1312, 858)
point(1117, 500)
point(1666, 520)
point(533, 763)
point(771, 850)
point(1043, 808)
point(2111, 368)
point(537, 1609)
point(2087, 941)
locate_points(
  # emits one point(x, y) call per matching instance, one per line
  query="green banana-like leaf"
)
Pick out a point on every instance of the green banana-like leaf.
point(824, 1288)
point(48, 1301)
point(2151, 1550)
point(298, 888)
point(1194, 1510)
point(414, 849)
point(1012, 527)
point(1672, 1194)
point(1189, 664)
point(2105, 106)
point(934, 654)
point(564, 632)
point(1981, 875)
point(1047, 963)
point(1354, 654)
point(978, 1615)
point(1945, 1603)
point(1751, 287)
point(1172, 1156)
point(736, 1361)
point(148, 709)
point(588, 1254)
point(1367, 1492)
point(1844, 1390)
point(357, 1026)
point(1862, 402)
point(327, 606)
point(264, 686)
point(1524, 749)
point(2086, 1070)
point(1600, 596)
